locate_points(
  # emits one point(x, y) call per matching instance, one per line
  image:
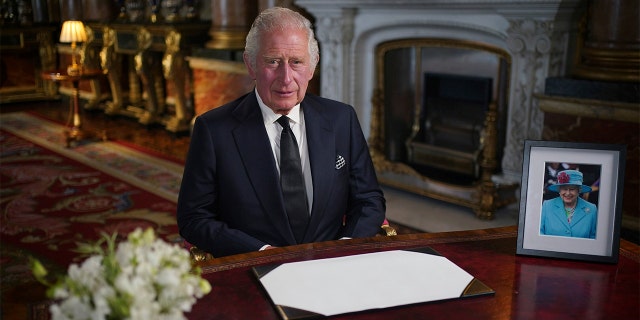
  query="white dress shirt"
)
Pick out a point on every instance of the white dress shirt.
point(274, 131)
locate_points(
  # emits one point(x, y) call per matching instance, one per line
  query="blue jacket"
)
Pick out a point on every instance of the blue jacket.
point(554, 219)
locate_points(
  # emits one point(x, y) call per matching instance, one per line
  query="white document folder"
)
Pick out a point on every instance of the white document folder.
point(327, 287)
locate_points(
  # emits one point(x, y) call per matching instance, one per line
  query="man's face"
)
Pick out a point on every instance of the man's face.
point(283, 69)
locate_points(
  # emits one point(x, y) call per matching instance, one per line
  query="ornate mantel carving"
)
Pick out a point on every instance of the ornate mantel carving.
point(335, 31)
point(529, 42)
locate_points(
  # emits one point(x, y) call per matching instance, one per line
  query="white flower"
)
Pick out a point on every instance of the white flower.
point(74, 307)
point(142, 278)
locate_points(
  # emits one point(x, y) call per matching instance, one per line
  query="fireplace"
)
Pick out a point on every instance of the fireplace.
point(437, 94)
point(447, 137)
point(531, 39)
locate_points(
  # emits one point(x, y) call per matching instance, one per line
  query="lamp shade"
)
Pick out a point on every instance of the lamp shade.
point(73, 31)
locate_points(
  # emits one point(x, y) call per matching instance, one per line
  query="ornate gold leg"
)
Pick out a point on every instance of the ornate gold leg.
point(144, 68)
point(48, 58)
point(145, 64)
point(175, 72)
point(111, 61)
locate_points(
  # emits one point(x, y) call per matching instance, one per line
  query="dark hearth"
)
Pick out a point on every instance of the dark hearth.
point(452, 119)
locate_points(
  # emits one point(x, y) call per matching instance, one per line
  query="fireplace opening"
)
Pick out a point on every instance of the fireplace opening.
point(439, 104)
point(451, 125)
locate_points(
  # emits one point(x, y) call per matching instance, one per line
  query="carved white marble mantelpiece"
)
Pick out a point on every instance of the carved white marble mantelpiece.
point(535, 33)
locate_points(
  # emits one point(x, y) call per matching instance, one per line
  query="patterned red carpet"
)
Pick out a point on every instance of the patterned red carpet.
point(53, 197)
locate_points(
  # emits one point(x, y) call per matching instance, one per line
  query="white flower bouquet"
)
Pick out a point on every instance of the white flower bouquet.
point(142, 278)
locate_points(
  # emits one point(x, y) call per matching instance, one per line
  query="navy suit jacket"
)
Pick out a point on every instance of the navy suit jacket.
point(230, 200)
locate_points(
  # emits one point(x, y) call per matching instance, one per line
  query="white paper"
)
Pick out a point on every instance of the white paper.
point(362, 282)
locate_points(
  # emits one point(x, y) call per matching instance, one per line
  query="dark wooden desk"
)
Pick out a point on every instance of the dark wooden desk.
point(526, 287)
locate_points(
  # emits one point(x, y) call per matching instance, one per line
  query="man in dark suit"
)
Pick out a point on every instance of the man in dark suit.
point(231, 199)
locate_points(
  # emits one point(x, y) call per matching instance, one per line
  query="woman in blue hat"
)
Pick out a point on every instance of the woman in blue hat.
point(569, 215)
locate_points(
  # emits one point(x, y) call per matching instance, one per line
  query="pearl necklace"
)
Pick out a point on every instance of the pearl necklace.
point(569, 213)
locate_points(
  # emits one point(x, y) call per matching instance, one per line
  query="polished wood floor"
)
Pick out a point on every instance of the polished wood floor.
point(118, 128)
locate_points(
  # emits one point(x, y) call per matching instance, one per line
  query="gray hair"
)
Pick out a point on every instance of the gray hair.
point(279, 18)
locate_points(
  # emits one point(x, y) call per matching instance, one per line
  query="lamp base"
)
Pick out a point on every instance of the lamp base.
point(76, 136)
point(74, 70)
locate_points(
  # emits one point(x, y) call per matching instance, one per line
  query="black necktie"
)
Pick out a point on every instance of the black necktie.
point(292, 182)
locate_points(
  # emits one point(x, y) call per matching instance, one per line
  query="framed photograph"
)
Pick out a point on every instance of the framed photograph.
point(571, 200)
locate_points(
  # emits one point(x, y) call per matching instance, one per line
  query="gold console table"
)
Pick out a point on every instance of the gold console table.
point(146, 63)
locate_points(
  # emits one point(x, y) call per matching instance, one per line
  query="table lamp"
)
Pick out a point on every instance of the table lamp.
point(73, 31)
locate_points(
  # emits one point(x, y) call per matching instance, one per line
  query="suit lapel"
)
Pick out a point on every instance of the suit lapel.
point(580, 212)
point(578, 215)
point(560, 213)
point(251, 141)
point(321, 145)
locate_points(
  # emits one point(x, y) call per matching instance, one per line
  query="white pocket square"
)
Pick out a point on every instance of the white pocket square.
point(340, 162)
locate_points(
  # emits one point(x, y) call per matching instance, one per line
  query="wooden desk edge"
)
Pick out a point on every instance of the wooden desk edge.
point(378, 242)
point(627, 249)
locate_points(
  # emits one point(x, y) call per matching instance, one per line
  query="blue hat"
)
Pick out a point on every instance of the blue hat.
point(570, 177)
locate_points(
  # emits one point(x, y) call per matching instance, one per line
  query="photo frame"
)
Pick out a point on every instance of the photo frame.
point(583, 223)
